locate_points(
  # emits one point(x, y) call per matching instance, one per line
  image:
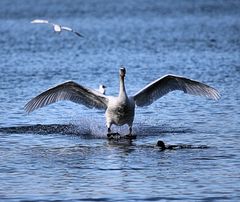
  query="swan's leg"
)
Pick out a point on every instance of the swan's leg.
point(111, 135)
point(130, 135)
point(109, 129)
point(130, 130)
point(109, 132)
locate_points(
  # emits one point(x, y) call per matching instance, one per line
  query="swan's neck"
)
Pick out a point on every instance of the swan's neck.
point(122, 91)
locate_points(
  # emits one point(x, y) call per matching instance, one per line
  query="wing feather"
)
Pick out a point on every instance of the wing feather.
point(71, 30)
point(168, 83)
point(77, 33)
point(68, 91)
point(40, 21)
point(67, 28)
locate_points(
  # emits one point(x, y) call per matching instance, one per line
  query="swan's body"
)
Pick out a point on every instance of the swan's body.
point(120, 110)
point(56, 27)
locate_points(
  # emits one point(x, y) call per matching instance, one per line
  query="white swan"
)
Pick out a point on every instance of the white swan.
point(120, 110)
point(56, 27)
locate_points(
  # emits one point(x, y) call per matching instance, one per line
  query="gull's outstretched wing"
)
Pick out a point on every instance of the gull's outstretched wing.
point(68, 91)
point(168, 83)
point(39, 21)
point(71, 30)
point(67, 28)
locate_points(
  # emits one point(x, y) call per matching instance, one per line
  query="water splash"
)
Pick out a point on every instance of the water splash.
point(89, 127)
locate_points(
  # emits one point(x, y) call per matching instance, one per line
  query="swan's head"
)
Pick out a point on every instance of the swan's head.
point(122, 71)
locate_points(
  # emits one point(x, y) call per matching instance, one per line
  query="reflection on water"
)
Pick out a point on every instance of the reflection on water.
point(61, 152)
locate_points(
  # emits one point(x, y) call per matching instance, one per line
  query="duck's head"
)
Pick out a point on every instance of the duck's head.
point(161, 144)
point(122, 71)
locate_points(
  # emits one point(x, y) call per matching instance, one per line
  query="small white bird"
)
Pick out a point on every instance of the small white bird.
point(102, 89)
point(120, 110)
point(56, 27)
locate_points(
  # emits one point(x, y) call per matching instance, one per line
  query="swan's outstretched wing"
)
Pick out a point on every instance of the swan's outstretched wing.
point(68, 91)
point(168, 83)
point(71, 30)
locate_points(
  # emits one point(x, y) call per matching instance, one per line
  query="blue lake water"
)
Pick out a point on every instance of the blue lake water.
point(61, 153)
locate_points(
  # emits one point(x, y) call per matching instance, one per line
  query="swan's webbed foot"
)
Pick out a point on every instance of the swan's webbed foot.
point(114, 136)
point(117, 136)
point(130, 137)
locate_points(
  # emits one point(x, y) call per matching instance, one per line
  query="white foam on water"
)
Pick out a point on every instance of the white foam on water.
point(90, 127)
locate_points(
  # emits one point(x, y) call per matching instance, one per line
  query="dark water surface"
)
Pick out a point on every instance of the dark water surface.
point(61, 153)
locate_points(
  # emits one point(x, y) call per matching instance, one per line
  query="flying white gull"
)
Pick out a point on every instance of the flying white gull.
point(120, 110)
point(56, 27)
